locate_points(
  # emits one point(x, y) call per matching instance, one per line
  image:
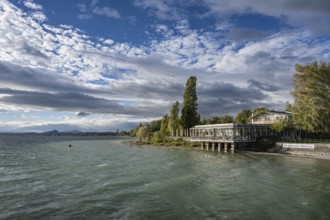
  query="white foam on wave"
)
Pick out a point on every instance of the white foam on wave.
point(102, 165)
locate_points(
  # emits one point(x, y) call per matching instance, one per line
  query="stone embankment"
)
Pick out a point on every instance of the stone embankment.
point(313, 150)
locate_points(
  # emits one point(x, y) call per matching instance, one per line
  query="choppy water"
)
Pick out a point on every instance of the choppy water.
point(104, 179)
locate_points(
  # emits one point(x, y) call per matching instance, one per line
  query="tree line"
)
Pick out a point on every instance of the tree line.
point(310, 109)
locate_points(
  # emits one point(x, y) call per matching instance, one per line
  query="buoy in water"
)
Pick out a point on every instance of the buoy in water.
point(69, 145)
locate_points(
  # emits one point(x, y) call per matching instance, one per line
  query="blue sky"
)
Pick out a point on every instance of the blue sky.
point(99, 65)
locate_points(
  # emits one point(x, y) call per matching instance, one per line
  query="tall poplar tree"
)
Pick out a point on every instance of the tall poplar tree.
point(311, 108)
point(164, 125)
point(173, 122)
point(189, 114)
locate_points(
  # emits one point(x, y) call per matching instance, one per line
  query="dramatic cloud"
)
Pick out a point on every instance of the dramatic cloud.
point(63, 69)
point(263, 86)
point(83, 114)
point(315, 13)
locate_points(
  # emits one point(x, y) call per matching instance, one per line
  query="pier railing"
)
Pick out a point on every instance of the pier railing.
point(223, 139)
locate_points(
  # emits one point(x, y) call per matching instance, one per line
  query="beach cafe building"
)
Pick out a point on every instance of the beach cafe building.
point(228, 137)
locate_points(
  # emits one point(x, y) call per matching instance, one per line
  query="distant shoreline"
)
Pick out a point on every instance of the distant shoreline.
point(48, 138)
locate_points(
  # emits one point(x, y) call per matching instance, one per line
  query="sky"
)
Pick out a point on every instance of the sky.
point(103, 65)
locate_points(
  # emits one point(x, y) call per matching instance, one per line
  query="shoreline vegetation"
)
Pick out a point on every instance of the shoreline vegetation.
point(164, 142)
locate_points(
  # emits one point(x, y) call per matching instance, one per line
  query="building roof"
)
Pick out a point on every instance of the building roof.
point(273, 112)
point(229, 125)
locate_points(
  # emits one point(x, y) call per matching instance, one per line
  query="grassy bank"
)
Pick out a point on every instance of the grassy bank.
point(167, 142)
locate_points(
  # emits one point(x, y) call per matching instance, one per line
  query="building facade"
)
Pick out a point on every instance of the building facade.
point(225, 137)
point(270, 117)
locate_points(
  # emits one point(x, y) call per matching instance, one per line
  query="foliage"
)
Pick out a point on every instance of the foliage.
point(265, 143)
point(142, 133)
point(225, 119)
point(189, 114)
point(288, 107)
point(134, 132)
point(205, 121)
point(243, 117)
point(164, 125)
point(260, 110)
point(154, 125)
point(311, 108)
point(173, 122)
point(217, 120)
point(158, 137)
point(282, 125)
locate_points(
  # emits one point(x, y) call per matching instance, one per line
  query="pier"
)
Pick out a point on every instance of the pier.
point(228, 137)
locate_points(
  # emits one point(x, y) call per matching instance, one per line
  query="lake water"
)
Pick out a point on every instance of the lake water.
point(104, 179)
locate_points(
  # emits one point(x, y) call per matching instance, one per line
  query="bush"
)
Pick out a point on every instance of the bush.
point(265, 143)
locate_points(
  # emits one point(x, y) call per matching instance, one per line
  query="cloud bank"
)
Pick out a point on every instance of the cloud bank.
point(63, 69)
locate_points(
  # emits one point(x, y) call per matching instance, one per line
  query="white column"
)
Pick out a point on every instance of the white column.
point(226, 147)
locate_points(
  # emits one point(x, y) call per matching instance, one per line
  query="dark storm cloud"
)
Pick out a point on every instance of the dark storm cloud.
point(263, 86)
point(83, 114)
point(307, 5)
point(121, 126)
point(152, 90)
point(229, 91)
point(217, 107)
point(69, 101)
point(216, 99)
point(35, 78)
point(313, 15)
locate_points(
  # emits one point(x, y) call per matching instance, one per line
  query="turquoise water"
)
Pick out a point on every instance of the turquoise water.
point(104, 179)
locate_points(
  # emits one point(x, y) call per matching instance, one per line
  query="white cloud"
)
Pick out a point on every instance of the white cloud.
point(312, 15)
point(108, 41)
point(163, 9)
point(84, 16)
point(40, 59)
point(106, 11)
point(32, 5)
point(39, 16)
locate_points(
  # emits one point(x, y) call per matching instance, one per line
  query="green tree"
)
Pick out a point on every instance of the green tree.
point(134, 131)
point(189, 114)
point(282, 125)
point(288, 107)
point(225, 119)
point(154, 125)
point(205, 121)
point(164, 125)
point(260, 110)
point(158, 137)
point(243, 117)
point(311, 108)
point(142, 133)
point(214, 120)
point(173, 122)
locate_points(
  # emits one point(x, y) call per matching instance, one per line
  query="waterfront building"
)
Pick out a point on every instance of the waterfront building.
point(228, 137)
point(270, 117)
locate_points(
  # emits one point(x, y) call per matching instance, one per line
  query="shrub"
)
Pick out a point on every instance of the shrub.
point(265, 143)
